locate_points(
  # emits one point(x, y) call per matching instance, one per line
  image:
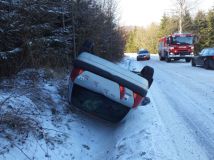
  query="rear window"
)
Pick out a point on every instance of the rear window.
point(144, 51)
point(98, 105)
point(207, 52)
point(210, 52)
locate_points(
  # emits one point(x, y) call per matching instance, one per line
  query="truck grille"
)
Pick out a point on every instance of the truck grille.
point(184, 53)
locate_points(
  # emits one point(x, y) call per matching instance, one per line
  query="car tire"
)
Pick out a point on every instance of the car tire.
point(147, 72)
point(206, 64)
point(161, 58)
point(188, 60)
point(193, 63)
point(168, 59)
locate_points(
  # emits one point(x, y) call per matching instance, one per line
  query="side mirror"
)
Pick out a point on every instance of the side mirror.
point(168, 41)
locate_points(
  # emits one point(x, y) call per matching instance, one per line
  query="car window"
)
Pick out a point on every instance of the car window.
point(210, 52)
point(207, 52)
point(97, 104)
point(182, 40)
point(144, 51)
point(202, 52)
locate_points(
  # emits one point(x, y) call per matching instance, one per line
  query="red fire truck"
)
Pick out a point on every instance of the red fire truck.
point(176, 46)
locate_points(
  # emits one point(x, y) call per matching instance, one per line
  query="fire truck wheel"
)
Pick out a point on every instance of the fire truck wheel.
point(161, 58)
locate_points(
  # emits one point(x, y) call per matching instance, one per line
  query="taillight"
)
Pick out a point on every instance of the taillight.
point(75, 72)
point(122, 92)
point(137, 99)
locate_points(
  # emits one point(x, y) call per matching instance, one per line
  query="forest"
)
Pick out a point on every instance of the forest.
point(50, 33)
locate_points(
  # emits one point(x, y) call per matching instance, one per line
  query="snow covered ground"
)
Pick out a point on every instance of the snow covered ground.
point(178, 124)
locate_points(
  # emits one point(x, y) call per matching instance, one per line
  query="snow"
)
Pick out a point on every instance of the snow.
point(182, 98)
point(176, 125)
point(5, 55)
point(16, 50)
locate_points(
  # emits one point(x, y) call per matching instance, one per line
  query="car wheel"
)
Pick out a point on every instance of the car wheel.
point(206, 64)
point(193, 63)
point(161, 58)
point(188, 59)
point(147, 72)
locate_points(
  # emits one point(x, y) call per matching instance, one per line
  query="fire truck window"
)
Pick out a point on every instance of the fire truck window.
point(182, 40)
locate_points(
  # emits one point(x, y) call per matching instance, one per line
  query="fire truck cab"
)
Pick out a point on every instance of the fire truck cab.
point(176, 46)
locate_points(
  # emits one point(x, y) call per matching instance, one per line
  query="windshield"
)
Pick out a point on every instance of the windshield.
point(143, 51)
point(182, 40)
point(98, 104)
point(207, 52)
point(210, 52)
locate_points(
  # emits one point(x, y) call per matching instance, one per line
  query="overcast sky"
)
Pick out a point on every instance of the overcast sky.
point(144, 12)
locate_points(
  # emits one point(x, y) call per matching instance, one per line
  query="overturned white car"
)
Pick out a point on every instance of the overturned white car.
point(104, 89)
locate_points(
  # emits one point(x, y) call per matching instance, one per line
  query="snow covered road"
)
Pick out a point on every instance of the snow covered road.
point(178, 124)
point(188, 114)
point(182, 100)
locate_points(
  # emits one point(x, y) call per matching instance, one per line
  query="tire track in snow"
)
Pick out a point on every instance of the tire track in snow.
point(164, 143)
point(183, 106)
point(179, 136)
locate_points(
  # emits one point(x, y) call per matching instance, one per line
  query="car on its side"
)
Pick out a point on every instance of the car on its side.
point(205, 58)
point(143, 54)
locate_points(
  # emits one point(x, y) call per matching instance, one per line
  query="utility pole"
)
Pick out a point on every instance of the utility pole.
point(184, 6)
point(181, 5)
point(180, 22)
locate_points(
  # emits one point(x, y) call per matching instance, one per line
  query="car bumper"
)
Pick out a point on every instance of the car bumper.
point(143, 58)
point(171, 55)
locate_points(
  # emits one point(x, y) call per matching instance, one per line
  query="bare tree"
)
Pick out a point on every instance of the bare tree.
point(182, 7)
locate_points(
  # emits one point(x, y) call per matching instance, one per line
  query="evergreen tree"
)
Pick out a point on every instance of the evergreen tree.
point(168, 26)
point(135, 40)
point(210, 28)
point(130, 42)
point(187, 24)
point(164, 26)
point(200, 29)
